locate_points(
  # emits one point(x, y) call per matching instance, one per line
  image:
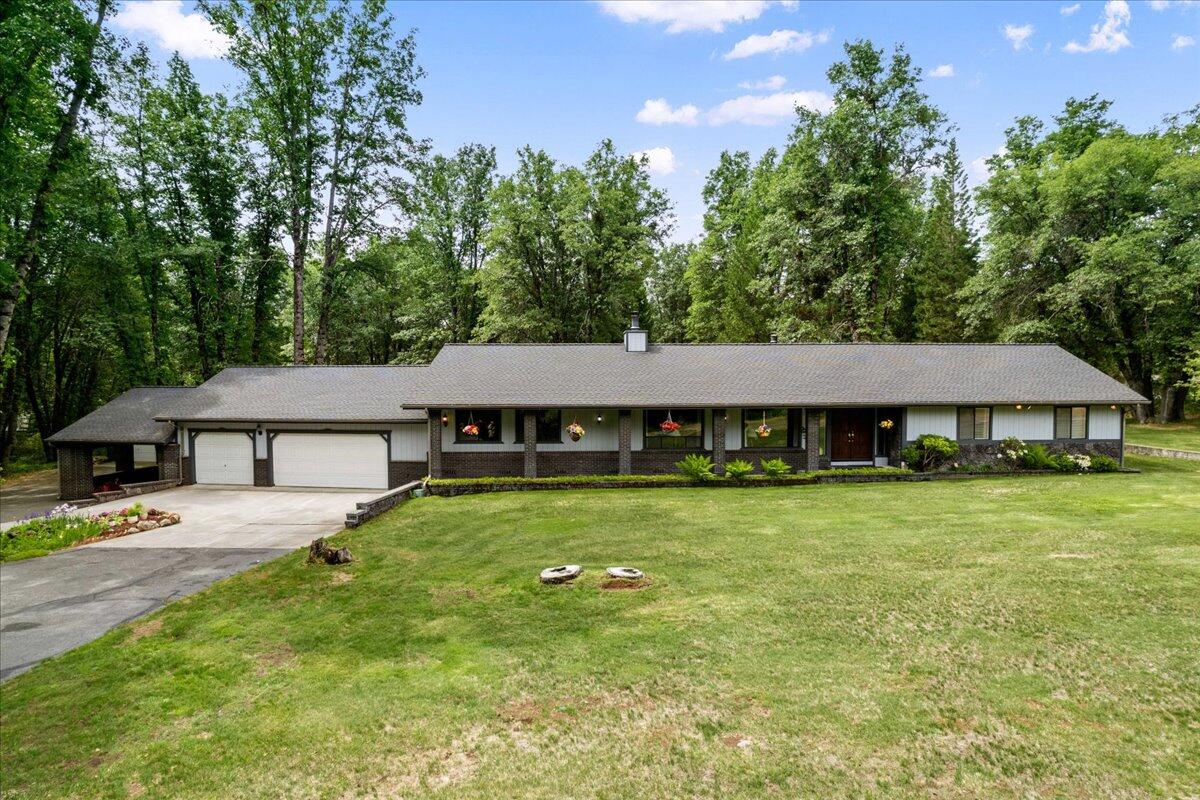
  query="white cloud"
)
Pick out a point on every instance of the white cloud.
point(685, 15)
point(1180, 41)
point(1108, 34)
point(1067, 11)
point(659, 160)
point(978, 171)
point(771, 84)
point(768, 109)
point(660, 112)
point(191, 35)
point(777, 41)
point(942, 71)
point(1018, 35)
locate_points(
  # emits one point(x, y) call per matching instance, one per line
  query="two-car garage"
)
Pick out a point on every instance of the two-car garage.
point(316, 459)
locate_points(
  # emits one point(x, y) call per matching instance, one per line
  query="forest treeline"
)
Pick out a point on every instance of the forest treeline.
point(154, 233)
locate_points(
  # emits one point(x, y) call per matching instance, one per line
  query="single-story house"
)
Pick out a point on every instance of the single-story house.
point(633, 408)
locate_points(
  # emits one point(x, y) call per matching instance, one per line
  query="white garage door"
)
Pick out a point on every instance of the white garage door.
point(341, 460)
point(224, 458)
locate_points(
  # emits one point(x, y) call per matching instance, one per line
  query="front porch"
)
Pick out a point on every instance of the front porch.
point(509, 442)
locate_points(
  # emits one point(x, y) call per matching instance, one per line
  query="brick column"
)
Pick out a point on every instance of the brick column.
point(262, 472)
point(75, 472)
point(718, 440)
point(812, 435)
point(624, 441)
point(435, 443)
point(167, 456)
point(530, 431)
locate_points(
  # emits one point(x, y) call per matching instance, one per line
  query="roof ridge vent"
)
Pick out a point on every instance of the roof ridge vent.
point(637, 340)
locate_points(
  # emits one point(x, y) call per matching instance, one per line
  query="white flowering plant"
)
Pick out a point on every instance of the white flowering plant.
point(1013, 452)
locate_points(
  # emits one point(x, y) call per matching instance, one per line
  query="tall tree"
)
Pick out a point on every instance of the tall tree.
point(948, 256)
point(76, 54)
point(844, 223)
point(669, 294)
point(371, 149)
point(283, 50)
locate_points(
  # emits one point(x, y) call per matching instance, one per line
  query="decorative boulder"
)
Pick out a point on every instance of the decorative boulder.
point(625, 573)
point(147, 525)
point(567, 572)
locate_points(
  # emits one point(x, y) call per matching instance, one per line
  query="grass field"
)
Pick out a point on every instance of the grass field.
point(1015, 637)
point(1175, 435)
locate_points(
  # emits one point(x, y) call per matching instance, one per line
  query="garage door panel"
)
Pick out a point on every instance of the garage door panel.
point(224, 458)
point(337, 460)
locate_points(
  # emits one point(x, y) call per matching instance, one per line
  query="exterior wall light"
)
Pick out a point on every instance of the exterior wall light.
point(1113, 407)
point(1019, 406)
point(445, 419)
point(600, 417)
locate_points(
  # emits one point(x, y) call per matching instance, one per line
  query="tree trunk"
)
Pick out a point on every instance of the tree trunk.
point(299, 245)
point(1175, 396)
point(59, 152)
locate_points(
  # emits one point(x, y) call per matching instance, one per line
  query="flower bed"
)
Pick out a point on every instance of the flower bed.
point(63, 527)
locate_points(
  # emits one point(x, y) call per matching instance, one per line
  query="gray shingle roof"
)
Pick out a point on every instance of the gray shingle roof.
point(126, 419)
point(300, 394)
point(605, 375)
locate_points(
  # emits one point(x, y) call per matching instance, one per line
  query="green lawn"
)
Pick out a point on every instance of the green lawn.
point(1176, 435)
point(1015, 637)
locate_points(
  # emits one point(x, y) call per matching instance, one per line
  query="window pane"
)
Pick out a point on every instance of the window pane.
point(476, 426)
point(775, 419)
point(1079, 422)
point(688, 435)
point(966, 423)
point(981, 422)
point(1062, 423)
point(820, 433)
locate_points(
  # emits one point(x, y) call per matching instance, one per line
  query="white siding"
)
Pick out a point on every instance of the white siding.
point(261, 449)
point(182, 436)
point(1031, 423)
point(144, 454)
point(1104, 423)
point(942, 420)
point(733, 430)
point(410, 442)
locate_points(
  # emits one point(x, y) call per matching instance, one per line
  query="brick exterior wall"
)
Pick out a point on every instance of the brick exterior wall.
point(185, 470)
point(578, 463)
point(167, 456)
point(986, 452)
point(74, 473)
point(436, 463)
point(482, 464)
point(624, 442)
point(529, 423)
point(812, 433)
point(718, 440)
point(402, 472)
point(262, 472)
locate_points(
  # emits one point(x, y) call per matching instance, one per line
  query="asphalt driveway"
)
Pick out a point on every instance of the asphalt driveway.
point(52, 604)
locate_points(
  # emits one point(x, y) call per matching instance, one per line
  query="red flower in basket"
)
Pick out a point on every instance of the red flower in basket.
point(471, 429)
point(764, 431)
point(670, 426)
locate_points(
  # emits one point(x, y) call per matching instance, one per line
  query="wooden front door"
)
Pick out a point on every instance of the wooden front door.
point(850, 432)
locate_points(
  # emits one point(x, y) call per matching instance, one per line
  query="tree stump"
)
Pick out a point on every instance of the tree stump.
point(321, 553)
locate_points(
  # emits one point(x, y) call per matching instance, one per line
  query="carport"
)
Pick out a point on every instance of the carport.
point(126, 428)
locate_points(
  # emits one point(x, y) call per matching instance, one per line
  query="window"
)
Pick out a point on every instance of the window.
point(689, 436)
point(820, 425)
point(776, 419)
point(549, 426)
point(487, 422)
point(975, 422)
point(1070, 422)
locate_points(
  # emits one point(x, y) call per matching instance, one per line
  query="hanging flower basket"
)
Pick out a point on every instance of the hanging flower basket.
point(470, 429)
point(764, 431)
point(670, 426)
point(575, 431)
point(887, 424)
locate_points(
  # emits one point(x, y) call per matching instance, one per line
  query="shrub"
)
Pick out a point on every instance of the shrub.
point(774, 467)
point(929, 451)
point(1102, 463)
point(738, 469)
point(1063, 463)
point(1036, 457)
point(696, 467)
point(1012, 452)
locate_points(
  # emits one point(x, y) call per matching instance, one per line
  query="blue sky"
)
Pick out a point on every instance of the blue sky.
point(563, 76)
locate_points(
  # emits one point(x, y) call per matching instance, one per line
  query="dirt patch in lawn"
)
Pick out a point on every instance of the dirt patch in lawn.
point(281, 656)
point(339, 578)
point(622, 583)
point(144, 629)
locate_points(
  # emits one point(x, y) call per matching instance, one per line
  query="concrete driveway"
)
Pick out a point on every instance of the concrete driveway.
point(52, 604)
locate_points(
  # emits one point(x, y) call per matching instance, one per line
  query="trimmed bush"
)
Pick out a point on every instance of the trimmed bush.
point(696, 467)
point(1036, 457)
point(775, 467)
point(738, 469)
point(1103, 463)
point(929, 452)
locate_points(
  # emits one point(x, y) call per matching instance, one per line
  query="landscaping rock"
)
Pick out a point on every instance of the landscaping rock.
point(567, 572)
point(625, 573)
point(319, 552)
point(147, 525)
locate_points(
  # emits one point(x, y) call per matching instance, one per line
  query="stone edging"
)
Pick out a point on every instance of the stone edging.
point(133, 489)
point(1162, 452)
point(369, 509)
